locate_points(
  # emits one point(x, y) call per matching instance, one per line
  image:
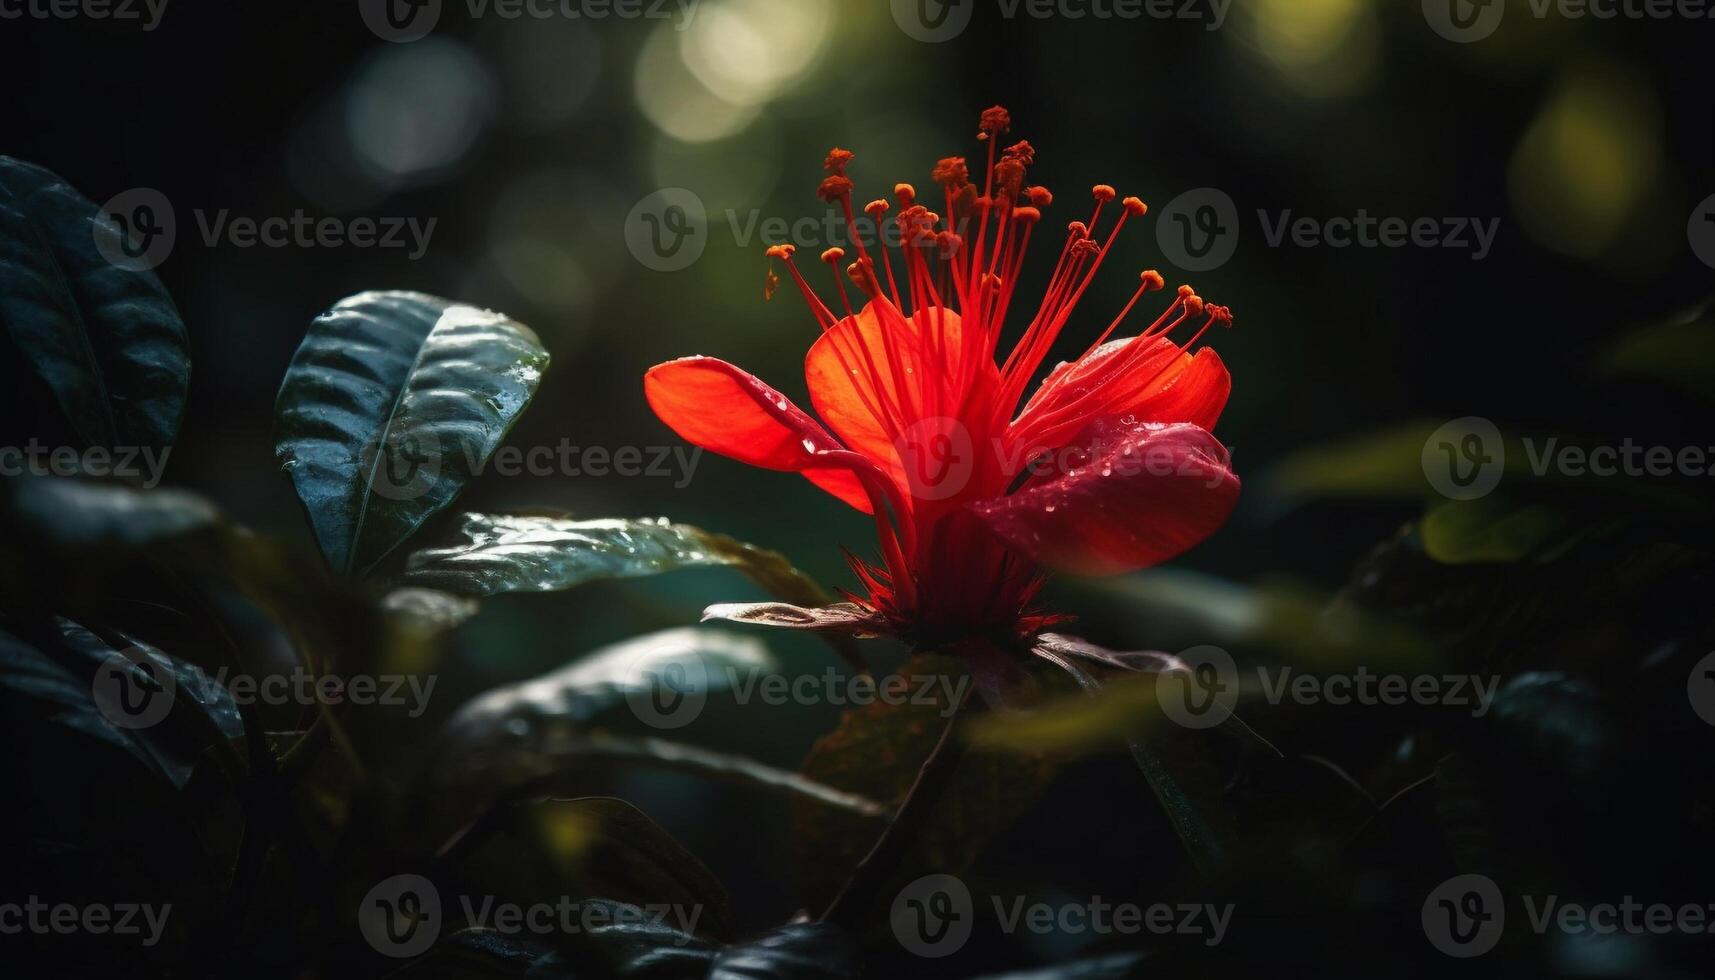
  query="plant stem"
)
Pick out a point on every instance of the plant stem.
point(882, 861)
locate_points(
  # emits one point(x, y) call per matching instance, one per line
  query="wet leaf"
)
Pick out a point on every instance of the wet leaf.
point(101, 340)
point(391, 404)
point(426, 612)
point(496, 553)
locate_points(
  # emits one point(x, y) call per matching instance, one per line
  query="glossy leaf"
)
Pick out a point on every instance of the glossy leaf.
point(391, 404)
point(102, 340)
point(75, 515)
point(496, 553)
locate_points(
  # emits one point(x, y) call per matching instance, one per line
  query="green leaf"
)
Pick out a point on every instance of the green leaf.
point(391, 404)
point(876, 751)
point(426, 612)
point(589, 847)
point(103, 342)
point(551, 729)
point(1488, 529)
point(1681, 353)
point(496, 553)
point(78, 516)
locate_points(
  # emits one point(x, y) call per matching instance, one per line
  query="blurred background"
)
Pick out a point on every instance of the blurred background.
point(532, 142)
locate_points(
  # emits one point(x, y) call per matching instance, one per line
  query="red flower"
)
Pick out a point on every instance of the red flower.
point(1109, 466)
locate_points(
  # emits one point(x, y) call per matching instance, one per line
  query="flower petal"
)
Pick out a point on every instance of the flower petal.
point(1131, 496)
point(727, 410)
point(857, 366)
point(1158, 384)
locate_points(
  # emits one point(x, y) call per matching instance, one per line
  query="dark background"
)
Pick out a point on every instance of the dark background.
point(529, 141)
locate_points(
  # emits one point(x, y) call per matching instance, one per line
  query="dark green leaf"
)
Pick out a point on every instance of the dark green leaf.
point(876, 752)
point(1489, 530)
point(391, 404)
point(554, 727)
point(103, 339)
point(77, 516)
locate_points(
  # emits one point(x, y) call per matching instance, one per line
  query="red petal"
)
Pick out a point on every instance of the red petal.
point(850, 371)
point(727, 410)
point(1155, 385)
point(1131, 497)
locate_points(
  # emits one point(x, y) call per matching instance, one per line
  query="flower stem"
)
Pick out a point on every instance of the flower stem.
point(882, 861)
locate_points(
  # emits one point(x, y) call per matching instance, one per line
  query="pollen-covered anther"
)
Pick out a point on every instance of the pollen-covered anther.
point(836, 161)
point(904, 194)
point(783, 252)
point(1222, 315)
point(1135, 207)
point(833, 255)
point(949, 243)
point(1027, 214)
point(1194, 305)
point(995, 119)
point(1040, 196)
point(876, 208)
point(951, 172)
point(835, 188)
point(1103, 193)
point(1152, 280)
point(1078, 229)
point(862, 274)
